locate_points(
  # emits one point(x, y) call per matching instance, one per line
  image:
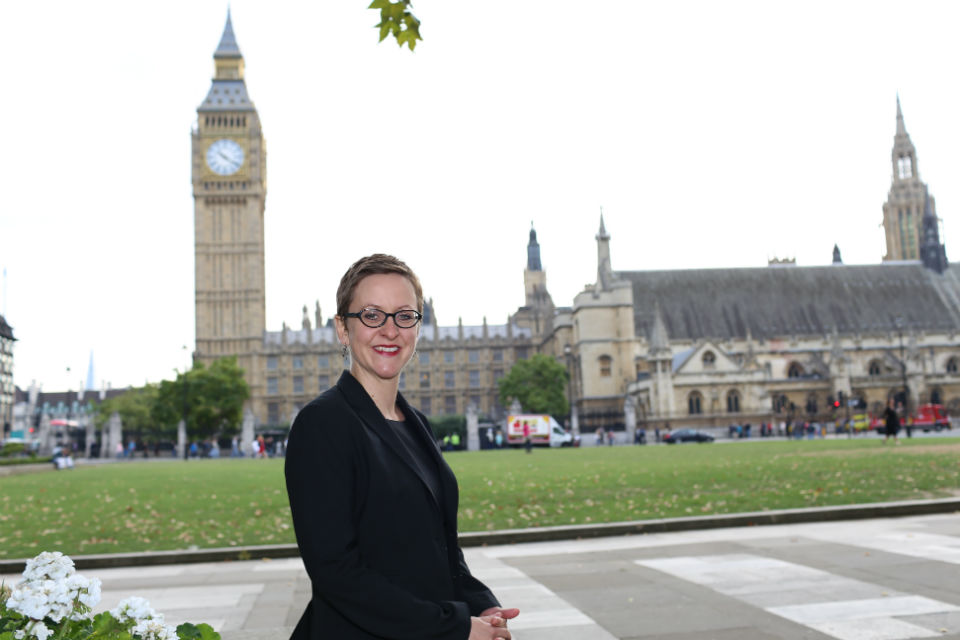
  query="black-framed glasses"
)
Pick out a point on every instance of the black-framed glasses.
point(375, 318)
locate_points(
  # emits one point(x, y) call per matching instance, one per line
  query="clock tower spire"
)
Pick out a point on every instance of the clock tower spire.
point(229, 194)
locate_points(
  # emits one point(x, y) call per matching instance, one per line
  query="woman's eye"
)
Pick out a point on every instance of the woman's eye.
point(406, 316)
point(373, 316)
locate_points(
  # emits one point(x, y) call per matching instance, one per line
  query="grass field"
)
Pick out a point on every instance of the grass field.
point(219, 503)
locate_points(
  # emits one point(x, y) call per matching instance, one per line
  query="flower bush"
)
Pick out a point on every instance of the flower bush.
point(54, 601)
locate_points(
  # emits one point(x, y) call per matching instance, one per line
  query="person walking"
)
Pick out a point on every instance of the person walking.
point(527, 442)
point(373, 501)
point(891, 422)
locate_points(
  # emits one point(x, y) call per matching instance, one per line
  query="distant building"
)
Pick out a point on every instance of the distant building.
point(6, 377)
point(699, 347)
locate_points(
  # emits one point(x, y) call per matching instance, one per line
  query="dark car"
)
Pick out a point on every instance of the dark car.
point(687, 435)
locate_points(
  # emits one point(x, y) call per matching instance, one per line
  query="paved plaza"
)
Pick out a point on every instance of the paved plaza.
point(883, 579)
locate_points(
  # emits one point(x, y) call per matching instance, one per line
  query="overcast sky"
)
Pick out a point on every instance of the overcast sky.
point(713, 134)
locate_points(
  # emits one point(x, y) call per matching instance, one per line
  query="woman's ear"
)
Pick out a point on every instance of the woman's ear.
point(342, 335)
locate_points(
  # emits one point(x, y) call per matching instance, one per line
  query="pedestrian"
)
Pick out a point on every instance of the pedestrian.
point(498, 439)
point(381, 549)
point(261, 446)
point(527, 442)
point(610, 437)
point(235, 447)
point(254, 448)
point(599, 436)
point(891, 422)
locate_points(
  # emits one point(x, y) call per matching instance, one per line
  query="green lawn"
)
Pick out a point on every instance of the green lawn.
point(219, 503)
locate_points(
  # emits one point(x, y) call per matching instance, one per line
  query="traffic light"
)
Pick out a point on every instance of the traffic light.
point(839, 402)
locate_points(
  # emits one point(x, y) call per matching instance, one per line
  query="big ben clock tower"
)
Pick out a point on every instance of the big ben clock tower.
point(229, 192)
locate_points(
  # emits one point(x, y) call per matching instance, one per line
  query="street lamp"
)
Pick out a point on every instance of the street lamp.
point(898, 323)
point(568, 352)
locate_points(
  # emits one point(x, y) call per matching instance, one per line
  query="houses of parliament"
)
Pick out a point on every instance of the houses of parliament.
point(697, 347)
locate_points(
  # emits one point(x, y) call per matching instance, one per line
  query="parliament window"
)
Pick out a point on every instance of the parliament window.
point(795, 370)
point(875, 368)
point(273, 413)
point(448, 356)
point(606, 366)
point(474, 378)
point(271, 363)
point(323, 362)
point(695, 403)
point(733, 402)
point(298, 384)
point(709, 360)
point(952, 365)
point(272, 386)
point(473, 355)
point(450, 404)
point(426, 406)
point(448, 379)
point(297, 362)
point(425, 380)
point(498, 355)
point(424, 357)
point(323, 382)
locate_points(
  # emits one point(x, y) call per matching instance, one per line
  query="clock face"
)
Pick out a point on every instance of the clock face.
point(224, 157)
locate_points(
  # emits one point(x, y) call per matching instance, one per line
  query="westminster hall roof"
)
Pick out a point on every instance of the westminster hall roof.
point(796, 301)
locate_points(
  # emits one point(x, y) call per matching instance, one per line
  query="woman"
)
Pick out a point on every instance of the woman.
point(891, 422)
point(374, 504)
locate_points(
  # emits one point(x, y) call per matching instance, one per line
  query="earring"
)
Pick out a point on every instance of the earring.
point(343, 350)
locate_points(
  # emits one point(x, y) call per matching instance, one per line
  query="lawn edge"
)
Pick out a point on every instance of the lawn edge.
point(533, 534)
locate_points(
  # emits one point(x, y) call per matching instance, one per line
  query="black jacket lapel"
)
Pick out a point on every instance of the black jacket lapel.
point(361, 402)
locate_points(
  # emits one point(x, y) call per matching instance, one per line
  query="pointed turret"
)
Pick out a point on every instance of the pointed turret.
point(932, 252)
point(836, 255)
point(228, 47)
point(903, 211)
point(604, 270)
point(904, 153)
point(228, 91)
point(659, 340)
point(533, 251)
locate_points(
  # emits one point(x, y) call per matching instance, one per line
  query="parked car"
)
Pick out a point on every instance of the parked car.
point(687, 435)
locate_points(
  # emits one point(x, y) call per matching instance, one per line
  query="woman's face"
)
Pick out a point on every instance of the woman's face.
point(381, 353)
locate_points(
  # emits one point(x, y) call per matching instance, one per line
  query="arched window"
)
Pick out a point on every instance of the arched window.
point(936, 396)
point(952, 365)
point(695, 403)
point(606, 366)
point(811, 404)
point(795, 370)
point(709, 360)
point(875, 368)
point(780, 403)
point(733, 402)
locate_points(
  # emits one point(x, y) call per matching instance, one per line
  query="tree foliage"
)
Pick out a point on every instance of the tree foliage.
point(396, 20)
point(211, 398)
point(135, 408)
point(538, 384)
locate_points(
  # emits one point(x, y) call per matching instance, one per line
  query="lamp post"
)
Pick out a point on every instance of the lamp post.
point(898, 323)
point(572, 424)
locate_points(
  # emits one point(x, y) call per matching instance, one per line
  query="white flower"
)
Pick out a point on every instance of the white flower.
point(154, 630)
point(38, 630)
point(52, 565)
point(134, 608)
point(19, 634)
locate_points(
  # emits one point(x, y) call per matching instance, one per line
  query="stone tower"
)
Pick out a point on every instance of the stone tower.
point(537, 311)
point(904, 209)
point(229, 191)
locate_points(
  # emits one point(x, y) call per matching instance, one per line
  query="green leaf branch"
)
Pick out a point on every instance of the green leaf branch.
point(396, 20)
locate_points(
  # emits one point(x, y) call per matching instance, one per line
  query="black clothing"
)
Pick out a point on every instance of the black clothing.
point(891, 421)
point(378, 542)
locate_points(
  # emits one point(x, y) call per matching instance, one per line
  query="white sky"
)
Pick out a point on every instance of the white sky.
point(713, 134)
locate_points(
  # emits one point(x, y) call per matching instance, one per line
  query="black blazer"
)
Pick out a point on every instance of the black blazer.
point(380, 548)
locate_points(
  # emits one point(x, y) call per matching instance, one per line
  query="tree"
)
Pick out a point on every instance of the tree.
point(212, 399)
point(396, 20)
point(537, 384)
point(135, 408)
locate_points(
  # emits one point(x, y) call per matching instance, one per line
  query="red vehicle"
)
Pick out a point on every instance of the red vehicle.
point(928, 416)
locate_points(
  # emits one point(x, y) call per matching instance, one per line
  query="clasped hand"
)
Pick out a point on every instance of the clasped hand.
point(492, 623)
